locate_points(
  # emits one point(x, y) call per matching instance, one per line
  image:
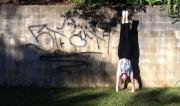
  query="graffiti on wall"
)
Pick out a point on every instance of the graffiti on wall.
point(68, 61)
point(54, 39)
point(71, 34)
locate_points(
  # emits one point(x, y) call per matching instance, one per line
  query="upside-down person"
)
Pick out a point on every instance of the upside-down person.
point(124, 69)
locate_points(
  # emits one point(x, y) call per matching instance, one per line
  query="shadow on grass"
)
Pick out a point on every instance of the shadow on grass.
point(82, 98)
point(48, 97)
point(156, 97)
point(88, 97)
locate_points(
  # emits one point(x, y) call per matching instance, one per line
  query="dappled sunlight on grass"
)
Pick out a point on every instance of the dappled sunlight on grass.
point(157, 97)
point(89, 97)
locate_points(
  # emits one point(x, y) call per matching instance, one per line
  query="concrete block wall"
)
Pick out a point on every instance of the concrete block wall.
point(159, 47)
point(39, 47)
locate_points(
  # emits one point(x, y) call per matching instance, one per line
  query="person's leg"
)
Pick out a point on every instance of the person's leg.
point(126, 16)
point(132, 81)
point(123, 16)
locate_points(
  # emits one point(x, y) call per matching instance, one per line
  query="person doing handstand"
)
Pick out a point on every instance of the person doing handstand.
point(124, 69)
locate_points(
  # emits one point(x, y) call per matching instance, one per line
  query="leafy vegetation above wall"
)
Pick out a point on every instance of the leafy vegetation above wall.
point(174, 5)
point(174, 8)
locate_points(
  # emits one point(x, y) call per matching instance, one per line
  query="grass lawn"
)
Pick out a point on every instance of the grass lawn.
point(89, 97)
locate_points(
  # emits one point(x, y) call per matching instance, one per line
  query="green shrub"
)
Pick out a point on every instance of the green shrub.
point(174, 5)
point(174, 8)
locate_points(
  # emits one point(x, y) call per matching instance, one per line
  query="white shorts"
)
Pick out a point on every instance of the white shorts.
point(124, 66)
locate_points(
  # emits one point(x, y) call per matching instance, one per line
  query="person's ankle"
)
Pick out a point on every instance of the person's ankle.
point(126, 16)
point(123, 16)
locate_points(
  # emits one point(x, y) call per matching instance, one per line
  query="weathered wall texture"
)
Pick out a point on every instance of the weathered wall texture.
point(39, 47)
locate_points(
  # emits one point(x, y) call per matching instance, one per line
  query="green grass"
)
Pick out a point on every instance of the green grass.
point(89, 97)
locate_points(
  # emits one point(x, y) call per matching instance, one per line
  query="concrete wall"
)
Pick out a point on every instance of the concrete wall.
point(39, 47)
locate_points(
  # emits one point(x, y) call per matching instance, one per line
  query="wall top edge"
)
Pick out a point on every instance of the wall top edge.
point(11, 5)
point(62, 5)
